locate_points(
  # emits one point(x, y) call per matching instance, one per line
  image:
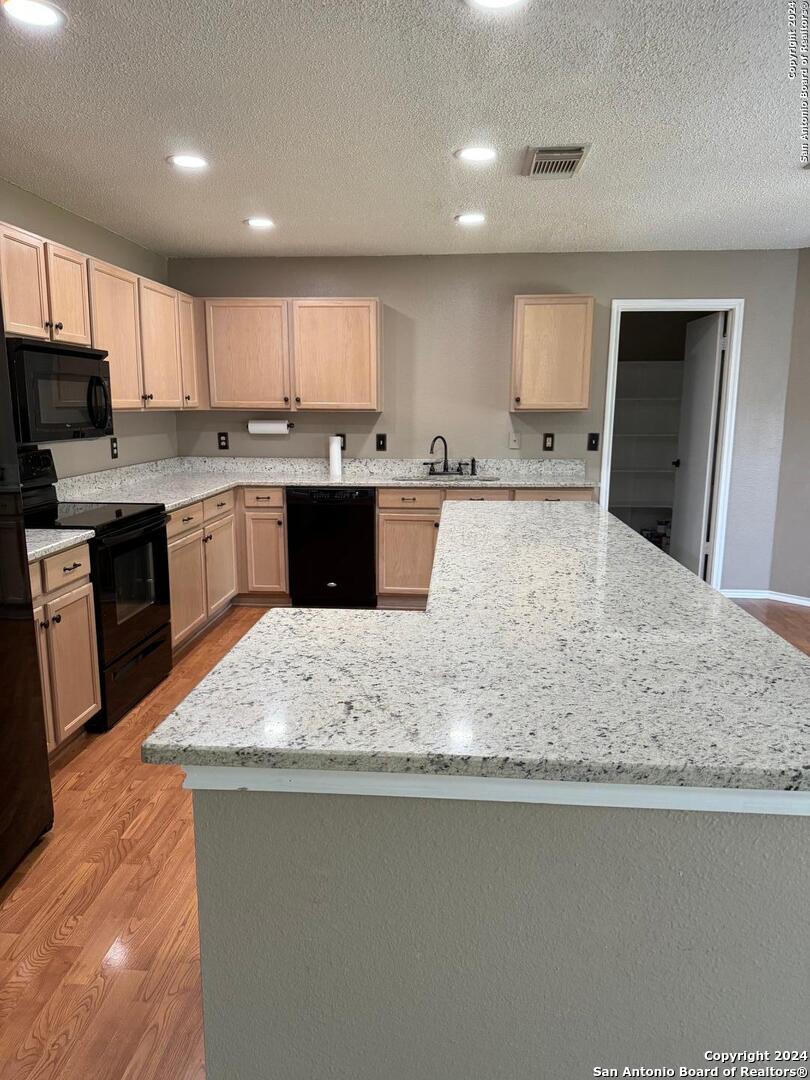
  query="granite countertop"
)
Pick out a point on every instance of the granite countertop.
point(557, 645)
point(181, 481)
point(41, 543)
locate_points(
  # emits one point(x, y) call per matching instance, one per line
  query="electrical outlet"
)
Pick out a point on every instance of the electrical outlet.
point(593, 440)
point(342, 436)
point(382, 442)
point(548, 441)
point(222, 440)
point(113, 448)
point(514, 440)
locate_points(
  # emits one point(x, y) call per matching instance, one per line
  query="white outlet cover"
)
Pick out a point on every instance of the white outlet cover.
point(514, 441)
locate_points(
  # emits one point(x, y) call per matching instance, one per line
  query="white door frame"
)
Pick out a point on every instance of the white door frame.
point(725, 444)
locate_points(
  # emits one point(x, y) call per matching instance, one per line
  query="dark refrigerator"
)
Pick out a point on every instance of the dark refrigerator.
point(26, 806)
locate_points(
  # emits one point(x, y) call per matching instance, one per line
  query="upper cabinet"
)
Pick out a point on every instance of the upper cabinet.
point(551, 353)
point(23, 286)
point(116, 327)
point(160, 345)
point(248, 353)
point(188, 352)
point(336, 354)
point(43, 288)
point(69, 301)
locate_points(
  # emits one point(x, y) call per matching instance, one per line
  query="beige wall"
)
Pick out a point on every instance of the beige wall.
point(447, 341)
point(790, 572)
point(140, 438)
point(415, 939)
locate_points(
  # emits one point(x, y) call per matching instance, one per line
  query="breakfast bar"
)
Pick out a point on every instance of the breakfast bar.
point(376, 828)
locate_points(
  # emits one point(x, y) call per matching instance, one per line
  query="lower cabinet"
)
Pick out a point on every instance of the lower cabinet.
point(554, 495)
point(202, 576)
point(265, 551)
point(406, 542)
point(68, 655)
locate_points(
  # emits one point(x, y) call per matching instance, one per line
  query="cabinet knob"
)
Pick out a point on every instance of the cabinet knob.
point(435, 524)
point(298, 401)
point(188, 397)
point(48, 325)
point(517, 400)
point(280, 522)
point(150, 397)
point(286, 401)
point(56, 618)
point(58, 326)
point(45, 624)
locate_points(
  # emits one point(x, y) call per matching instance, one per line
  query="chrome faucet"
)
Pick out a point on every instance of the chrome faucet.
point(445, 463)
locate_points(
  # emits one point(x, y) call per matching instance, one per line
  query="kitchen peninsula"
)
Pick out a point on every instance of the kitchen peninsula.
point(560, 659)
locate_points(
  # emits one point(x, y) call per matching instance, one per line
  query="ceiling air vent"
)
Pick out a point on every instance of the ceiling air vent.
point(553, 160)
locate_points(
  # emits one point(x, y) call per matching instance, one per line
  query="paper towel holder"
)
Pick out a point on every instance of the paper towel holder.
point(269, 427)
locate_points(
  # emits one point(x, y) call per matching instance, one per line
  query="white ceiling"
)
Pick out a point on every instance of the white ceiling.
point(338, 118)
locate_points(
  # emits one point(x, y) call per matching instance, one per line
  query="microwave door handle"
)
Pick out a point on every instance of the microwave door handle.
point(98, 417)
point(106, 415)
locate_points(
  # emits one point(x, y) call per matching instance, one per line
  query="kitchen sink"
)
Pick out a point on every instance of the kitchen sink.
point(451, 478)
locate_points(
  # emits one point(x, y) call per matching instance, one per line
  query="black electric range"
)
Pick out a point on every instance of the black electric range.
point(130, 573)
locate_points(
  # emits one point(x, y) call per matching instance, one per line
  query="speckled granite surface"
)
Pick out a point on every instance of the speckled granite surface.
point(41, 543)
point(557, 645)
point(176, 482)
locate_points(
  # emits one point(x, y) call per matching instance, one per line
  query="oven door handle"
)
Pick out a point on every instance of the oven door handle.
point(137, 532)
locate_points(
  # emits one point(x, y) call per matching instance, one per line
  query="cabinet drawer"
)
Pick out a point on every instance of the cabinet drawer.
point(409, 498)
point(189, 517)
point(35, 573)
point(477, 495)
point(264, 496)
point(554, 494)
point(66, 567)
point(218, 504)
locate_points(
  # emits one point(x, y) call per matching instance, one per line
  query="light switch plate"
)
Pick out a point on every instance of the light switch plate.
point(514, 440)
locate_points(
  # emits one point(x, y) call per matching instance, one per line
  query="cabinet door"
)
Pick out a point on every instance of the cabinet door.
point(405, 546)
point(69, 301)
point(41, 630)
point(73, 655)
point(187, 585)
point(23, 287)
point(160, 345)
point(265, 548)
point(220, 563)
point(554, 495)
point(248, 354)
point(551, 352)
point(188, 351)
point(115, 326)
point(335, 354)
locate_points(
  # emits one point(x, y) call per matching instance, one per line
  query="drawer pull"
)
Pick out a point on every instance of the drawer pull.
point(71, 568)
point(553, 500)
point(220, 505)
point(407, 498)
point(263, 498)
point(56, 618)
point(185, 519)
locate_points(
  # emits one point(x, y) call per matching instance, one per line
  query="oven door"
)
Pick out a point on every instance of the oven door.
point(61, 394)
point(131, 579)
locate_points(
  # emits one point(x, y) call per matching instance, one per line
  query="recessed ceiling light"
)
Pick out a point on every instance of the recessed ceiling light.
point(471, 218)
point(188, 161)
point(260, 222)
point(33, 12)
point(477, 154)
point(495, 3)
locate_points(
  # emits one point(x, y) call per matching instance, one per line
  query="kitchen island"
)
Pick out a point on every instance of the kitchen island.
point(383, 891)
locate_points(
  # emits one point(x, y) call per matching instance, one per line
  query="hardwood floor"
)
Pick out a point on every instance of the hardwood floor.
point(99, 955)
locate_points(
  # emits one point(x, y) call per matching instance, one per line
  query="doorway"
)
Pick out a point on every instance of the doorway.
point(669, 423)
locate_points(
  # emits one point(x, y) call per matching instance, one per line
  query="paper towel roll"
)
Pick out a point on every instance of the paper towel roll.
point(335, 458)
point(268, 427)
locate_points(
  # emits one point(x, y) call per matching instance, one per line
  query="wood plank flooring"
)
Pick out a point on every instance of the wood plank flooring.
point(99, 955)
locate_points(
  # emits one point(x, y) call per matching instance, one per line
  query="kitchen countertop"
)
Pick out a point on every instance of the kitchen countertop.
point(41, 543)
point(179, 482)
point(557, 645)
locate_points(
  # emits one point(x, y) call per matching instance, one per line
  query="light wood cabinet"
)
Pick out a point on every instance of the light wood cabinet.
point(23, 284)
point(187, 585)
point(41, 631)
point(477, 495)
point(188, 352)
point(336, 354)
point(554, 494)
point(265, 548)
point(406, 543)
point(115, 324)
point(72, 660)
point(551, 353)
point(248, 353)
point(160, 345)
point(220, 563)
point(68, 297)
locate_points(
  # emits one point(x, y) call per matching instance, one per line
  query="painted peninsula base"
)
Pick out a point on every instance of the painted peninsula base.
point(356, 938)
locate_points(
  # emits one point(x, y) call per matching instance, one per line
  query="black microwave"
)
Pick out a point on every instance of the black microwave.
point(58, 391)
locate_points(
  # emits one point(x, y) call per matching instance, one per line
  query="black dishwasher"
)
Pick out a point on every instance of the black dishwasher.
point(330, 537)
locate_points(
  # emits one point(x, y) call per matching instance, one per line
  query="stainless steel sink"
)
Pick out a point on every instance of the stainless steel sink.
point(445, 478)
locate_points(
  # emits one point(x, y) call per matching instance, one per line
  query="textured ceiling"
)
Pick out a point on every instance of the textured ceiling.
point(338, 118)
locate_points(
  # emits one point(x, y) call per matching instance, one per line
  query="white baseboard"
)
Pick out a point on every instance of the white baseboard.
point(766, 594)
